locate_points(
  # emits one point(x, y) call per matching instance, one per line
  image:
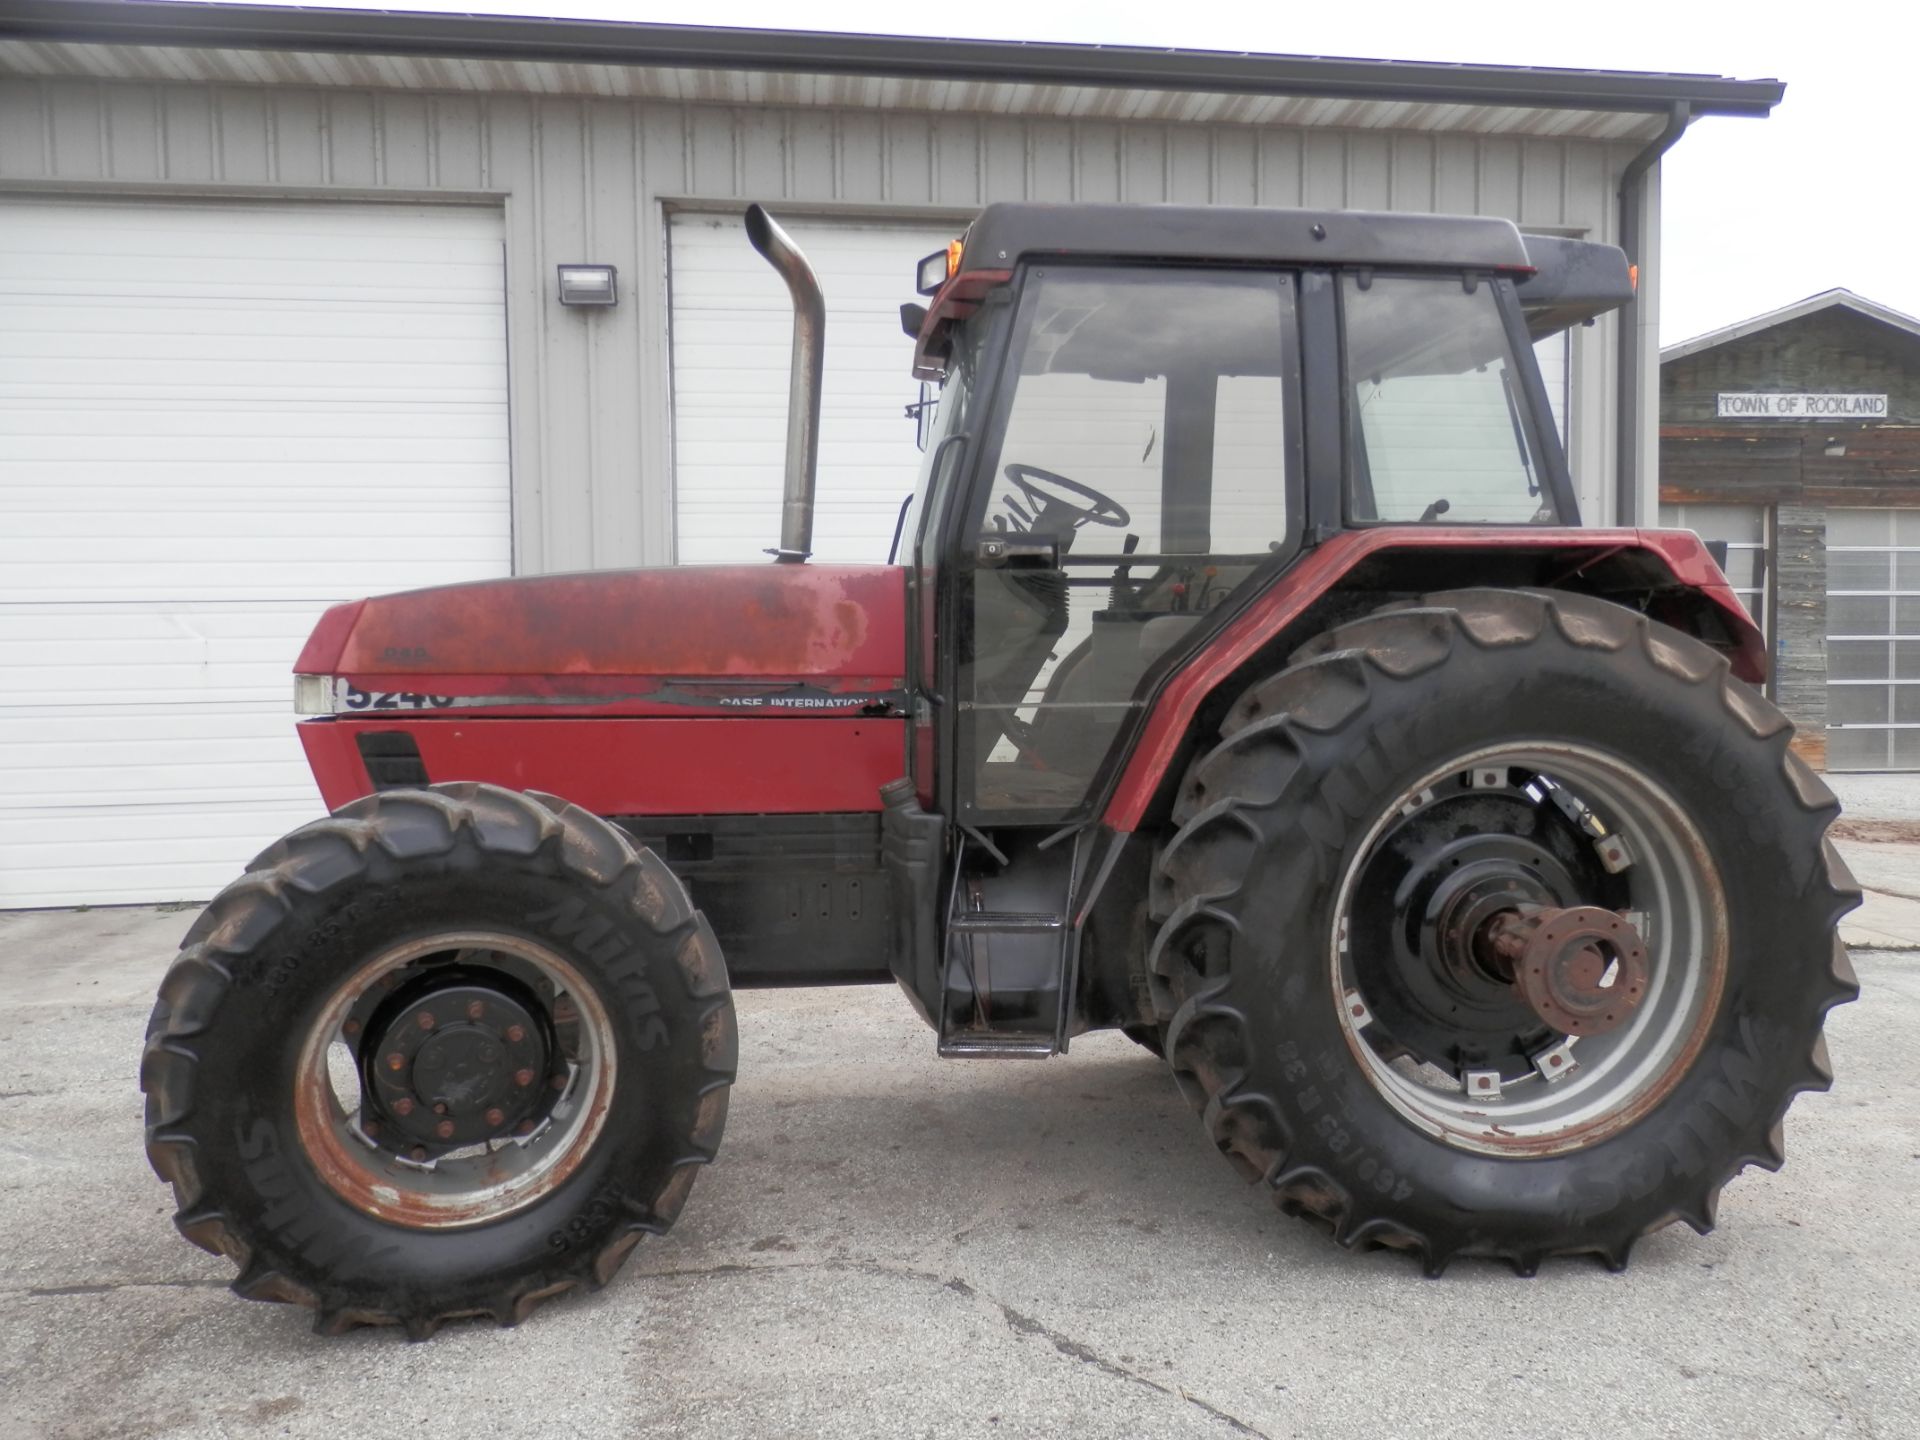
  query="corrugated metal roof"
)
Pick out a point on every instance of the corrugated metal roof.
point(251, 44)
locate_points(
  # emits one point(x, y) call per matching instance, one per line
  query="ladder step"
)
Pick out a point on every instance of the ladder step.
point(996, 1047)
point(1007, 922)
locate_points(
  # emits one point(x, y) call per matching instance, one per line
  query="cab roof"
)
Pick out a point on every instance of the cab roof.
point(1004, 234)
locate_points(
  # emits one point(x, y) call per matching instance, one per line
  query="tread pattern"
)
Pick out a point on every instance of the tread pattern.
point(1260, 761)
point(334, 852)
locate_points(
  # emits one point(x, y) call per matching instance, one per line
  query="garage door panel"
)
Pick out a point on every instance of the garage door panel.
point(215, 420)
point(411, 428)
point(134, 855)
point(732, 329)
point(138, 339)
point(361, 572)
point(70, 325)
point(274, 526)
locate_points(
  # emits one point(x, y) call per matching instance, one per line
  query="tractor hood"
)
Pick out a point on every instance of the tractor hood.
point(752, 638)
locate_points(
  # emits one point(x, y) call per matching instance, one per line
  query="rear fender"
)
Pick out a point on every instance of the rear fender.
point(1666, 574)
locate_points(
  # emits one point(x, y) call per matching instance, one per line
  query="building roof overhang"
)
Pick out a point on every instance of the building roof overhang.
point(163, 40)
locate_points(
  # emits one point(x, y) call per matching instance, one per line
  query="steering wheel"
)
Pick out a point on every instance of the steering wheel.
point(1096, 509)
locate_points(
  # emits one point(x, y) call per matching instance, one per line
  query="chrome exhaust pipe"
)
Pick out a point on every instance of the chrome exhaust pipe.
point(803, 393)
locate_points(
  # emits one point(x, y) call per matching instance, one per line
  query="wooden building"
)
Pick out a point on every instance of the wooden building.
point(1795, 436)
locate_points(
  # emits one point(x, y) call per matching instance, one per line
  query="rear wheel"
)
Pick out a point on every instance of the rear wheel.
point(1500, 925)
point(447, 1053)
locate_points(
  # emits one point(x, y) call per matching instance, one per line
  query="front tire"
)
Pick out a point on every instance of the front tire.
point(447, 1053)
point(1331, 840)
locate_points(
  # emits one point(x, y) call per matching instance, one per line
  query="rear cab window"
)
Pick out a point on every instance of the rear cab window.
point(1439, 426)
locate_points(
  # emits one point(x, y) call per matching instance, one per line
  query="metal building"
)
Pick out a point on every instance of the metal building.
point(280, 324)
point(1795, 437)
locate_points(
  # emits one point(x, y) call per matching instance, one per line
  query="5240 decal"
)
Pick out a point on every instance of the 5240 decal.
point(358, 699)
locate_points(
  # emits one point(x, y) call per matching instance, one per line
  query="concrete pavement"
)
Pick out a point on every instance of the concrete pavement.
point(891, 1245)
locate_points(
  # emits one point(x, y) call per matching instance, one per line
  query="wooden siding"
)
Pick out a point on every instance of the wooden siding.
point(592, 179)
point(1820, 462)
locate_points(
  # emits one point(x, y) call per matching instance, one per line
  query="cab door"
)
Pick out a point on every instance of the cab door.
point(1133, 475)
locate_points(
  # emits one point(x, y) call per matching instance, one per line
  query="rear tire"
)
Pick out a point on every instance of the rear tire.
point(1251, 958)
point(278, 1129)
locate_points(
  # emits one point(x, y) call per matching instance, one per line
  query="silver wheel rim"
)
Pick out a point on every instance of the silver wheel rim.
point(477, 1183)
point(1601, 1083)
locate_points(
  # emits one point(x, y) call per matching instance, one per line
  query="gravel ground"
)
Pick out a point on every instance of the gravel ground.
point(891, 1245)
point(1878, 797)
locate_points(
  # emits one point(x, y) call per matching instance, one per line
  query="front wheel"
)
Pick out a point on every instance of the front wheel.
point(447, 1053)
point(1500, 925)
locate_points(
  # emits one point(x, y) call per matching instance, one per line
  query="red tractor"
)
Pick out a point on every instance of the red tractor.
point(1242, 680)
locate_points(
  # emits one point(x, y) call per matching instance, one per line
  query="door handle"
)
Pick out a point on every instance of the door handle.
point(997, 550)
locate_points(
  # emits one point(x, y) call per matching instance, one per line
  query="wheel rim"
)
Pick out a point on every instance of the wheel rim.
point(1543, 844)
point(454, 1079)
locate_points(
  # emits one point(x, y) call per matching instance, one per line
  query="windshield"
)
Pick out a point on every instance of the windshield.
point(1439, 418)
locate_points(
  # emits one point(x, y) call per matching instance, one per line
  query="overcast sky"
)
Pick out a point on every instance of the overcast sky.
point(1758, 212)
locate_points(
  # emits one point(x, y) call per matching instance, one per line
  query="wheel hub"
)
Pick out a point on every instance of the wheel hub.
point(1437, 878)
point(1582, 970)
point(456, 1063)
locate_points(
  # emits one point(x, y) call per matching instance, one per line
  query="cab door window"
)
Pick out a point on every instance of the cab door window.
point(1135, 479)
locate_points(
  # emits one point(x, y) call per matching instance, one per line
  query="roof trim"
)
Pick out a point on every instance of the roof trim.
point(388, 32)
point(1840, 299)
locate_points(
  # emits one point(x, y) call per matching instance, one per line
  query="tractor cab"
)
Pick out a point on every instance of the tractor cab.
point(1146, 414)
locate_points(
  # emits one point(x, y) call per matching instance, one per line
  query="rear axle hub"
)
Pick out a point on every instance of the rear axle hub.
point(1582, 970)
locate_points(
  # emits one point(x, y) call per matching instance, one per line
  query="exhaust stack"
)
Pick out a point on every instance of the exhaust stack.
point(803, 395)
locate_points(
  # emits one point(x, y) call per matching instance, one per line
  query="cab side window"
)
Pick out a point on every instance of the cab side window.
point(1438, 426)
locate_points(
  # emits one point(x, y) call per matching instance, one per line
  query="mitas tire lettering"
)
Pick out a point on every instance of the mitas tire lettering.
point(272, 952)
point(1269, 819)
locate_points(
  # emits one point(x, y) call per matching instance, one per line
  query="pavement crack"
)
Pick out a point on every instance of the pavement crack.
point(1086, 1355)
point(36, 1292)
point(1016, 1321)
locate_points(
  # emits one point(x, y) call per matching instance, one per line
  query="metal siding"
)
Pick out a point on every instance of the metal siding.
point(590, 394)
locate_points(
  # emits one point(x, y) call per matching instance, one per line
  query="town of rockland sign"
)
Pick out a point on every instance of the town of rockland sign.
point(1804, 407)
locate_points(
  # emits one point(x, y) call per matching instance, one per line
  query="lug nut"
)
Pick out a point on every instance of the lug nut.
point(516, 1033)
point(496, 1117)
point(525, 1127)
point(523, 1078)
point(369, 1128)
point(424, 1020)
point(350, 1029)
point(475, 1009)
point(559, 1082)
point(419, 1152)
point(444, 1129)
point(403, 1106)
point(396, 1061)
point(440, 1107)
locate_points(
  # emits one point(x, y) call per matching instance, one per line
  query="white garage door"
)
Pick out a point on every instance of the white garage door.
point(732, 338)
point(215, 420)
point(1873, 639)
